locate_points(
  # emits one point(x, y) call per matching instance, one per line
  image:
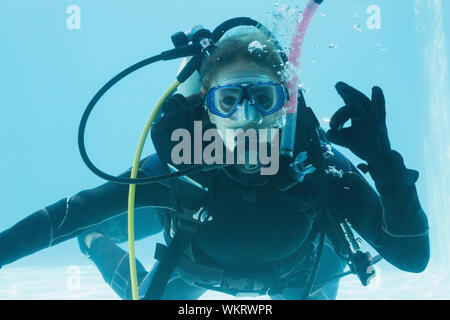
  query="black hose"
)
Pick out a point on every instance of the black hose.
point(323, 216)
point(82, 130)
point(319, 284)
point(312, 277)
point(87, 112)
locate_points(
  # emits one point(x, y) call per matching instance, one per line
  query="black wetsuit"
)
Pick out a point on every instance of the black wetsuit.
point(253, 224)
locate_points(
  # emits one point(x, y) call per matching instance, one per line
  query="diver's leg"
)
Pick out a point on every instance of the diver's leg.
point(148, 222)
point(330, 266)
point(99, 243)
point(113, 264)
point(176, 289)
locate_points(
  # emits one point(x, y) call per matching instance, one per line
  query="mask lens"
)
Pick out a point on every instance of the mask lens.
point(264, 96)
point(226, 99)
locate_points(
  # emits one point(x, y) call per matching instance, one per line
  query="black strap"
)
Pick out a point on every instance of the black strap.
point(167, 264)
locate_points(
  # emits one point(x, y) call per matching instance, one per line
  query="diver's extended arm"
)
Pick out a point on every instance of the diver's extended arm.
point(393, 222)
point(69, 217)
point(404, 225)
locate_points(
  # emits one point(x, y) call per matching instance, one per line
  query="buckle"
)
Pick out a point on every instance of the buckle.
point(242, 285)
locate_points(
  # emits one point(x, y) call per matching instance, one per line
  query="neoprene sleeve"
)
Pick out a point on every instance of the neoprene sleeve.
point(394, 223)
point(69, 217)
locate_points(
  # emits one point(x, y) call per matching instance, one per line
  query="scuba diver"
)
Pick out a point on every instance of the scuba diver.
point(230, 228)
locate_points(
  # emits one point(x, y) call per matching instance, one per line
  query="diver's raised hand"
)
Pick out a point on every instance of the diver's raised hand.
point(367, 137)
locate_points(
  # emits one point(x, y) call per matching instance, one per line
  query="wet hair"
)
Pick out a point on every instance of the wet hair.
point(252, 47)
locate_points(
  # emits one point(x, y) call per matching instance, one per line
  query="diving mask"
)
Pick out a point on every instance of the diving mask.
point(246, 99)
point(266, 97)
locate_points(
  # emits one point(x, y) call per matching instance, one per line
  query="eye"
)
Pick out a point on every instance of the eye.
point(264, 96)
point(262, 100)
point(229, 101)
point(227, 98)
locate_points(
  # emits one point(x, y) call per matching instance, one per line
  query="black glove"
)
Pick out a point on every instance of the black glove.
point(367, 137)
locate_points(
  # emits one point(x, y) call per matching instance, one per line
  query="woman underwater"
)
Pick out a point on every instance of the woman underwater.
point(256, 238)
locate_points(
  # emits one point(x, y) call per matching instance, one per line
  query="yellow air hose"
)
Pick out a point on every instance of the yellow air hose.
point(132, 190)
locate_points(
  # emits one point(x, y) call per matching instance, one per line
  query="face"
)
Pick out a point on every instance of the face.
point(246, 115)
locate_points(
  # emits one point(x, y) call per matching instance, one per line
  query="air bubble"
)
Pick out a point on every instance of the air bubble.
point(255, 46)
point(358, 28)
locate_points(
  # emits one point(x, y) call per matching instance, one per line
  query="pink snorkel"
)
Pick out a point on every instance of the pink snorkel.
point(288, 137)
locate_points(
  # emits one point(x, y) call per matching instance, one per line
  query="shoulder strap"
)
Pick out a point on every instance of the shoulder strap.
point(168, 261)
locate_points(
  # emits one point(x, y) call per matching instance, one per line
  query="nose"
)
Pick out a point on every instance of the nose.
point(250, 112)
